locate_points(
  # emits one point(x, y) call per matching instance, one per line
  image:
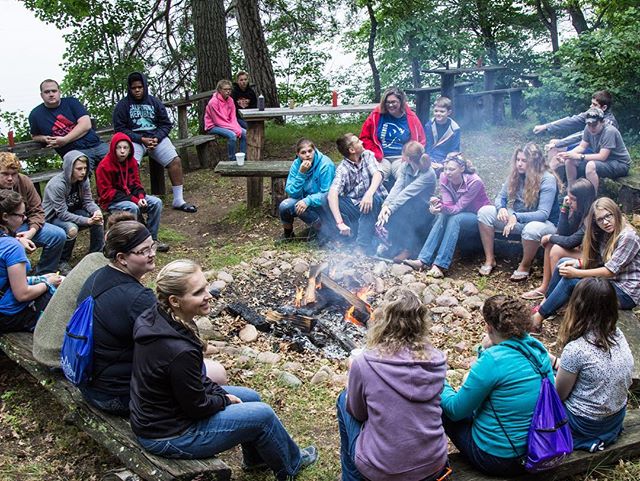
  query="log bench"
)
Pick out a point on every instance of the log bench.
point(629, 191)
point(112, 432)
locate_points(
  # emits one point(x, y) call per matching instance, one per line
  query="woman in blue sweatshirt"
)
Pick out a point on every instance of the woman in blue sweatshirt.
point(308, 183)
point(488, 418)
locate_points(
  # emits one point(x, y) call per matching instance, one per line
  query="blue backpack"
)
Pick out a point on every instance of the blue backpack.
point(76, 355)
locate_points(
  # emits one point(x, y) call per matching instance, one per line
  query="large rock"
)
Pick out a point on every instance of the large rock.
point(368, 278)
point(49, 333)
point(473, 302)
point(427, 296)
point(379, 285)
point(408, 279)
point(248, 333)
point(300, 267)
point(469, 289)
point(323, 375)
point(380, 268)
point(417, 287)
point(445, 300)
point(269, 357)
point(400, 270)
point(225, 276)
point(289, 379)
point(461, 312)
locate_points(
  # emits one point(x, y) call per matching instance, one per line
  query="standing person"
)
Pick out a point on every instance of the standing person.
point(356, 193)
point(308, 183)
point(143, 118)
point(596, 365)
point(567, 241)
point(527, 205)
point(405, 208)
point(120, 187)
point(443, 133)
point(601, 152)
point(391, 125)
point(389, 416)
point(68, 204)
point(64, 125)
point(463, 194)
point(220, 118)
point(610, 249)
point(21, 300)
point(488, 418)
point(178, 413)
point(243, 96)
point(34, 231)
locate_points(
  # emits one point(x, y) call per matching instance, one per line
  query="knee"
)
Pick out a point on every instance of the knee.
point(176, 163)
point(263, 413)
point(555, 253)
point(532, 231)
point(487, 215)
point(72, 232)
point(590, 168)
point(216, 372)
point(286, 205)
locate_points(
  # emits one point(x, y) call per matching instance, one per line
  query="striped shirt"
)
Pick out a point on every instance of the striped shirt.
point(353, 180)
point(625, 263)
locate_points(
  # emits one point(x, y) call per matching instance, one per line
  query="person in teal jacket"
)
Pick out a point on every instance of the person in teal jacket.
point(488, 419)
point(308, 183)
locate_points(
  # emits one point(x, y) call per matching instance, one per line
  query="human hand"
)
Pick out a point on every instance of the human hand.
point(27, 243)
point(234, 399)
point(54, 279)
point(366, 203)
point(503, 215)
point(301, 206)
point(383, 217)
point(243, 103)
point(344, 229)
point(142, 203)
point(562, 156)
point(27, 234)
point(305, 165)
point(568, 271)
point(148, 142)
point(538, 129)
point(436, 165)
point(550, 145)
point(510, 225)
point(545, 240)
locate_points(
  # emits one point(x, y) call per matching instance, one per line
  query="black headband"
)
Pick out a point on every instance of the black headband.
point(142, 235)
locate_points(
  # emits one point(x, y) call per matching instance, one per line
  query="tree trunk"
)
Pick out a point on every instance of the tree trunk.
point(377, 90)
point(415, 64)
point(256, 52)
point(577, 17)
point(549, 18)
point(486, 32)
point(212, 48)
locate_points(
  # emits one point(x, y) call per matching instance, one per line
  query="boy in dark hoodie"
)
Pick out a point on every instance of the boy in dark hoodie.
point(243, 95)
point(144, 119)
point(68, 204)
point(120, 188)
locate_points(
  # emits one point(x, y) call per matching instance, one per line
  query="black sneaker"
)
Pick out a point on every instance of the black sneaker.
point(285, 237)
point(162, 247)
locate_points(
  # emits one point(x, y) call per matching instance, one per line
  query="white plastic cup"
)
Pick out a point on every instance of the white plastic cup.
point(240, 158)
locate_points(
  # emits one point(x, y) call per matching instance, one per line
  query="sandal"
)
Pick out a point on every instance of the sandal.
point(533, 295)
point(486, 269)
point(435, 272)
point(186, 207)
point(519, 276)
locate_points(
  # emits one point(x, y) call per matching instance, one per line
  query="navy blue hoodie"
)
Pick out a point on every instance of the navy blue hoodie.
point(146, 117)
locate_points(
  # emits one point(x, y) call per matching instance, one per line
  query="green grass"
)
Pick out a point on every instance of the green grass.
point(167, 234)
point(232, 254)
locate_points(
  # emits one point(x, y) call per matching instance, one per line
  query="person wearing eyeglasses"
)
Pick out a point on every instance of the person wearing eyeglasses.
point(220, 118)
point(391, 125)
point(22, 299)
point(610, 249)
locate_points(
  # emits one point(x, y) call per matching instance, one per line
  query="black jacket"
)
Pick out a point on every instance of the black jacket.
point(119, 300)
point(250, 94)
point(169, 387)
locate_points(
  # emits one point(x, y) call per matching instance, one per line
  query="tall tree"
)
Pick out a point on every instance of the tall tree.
point(211, 46)
point(373, 26)
point(578, 19)
point(549, 17)
point(256, 51)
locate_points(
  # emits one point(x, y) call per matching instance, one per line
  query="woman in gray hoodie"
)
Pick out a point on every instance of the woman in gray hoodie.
point(390, 417)
point(68, 204)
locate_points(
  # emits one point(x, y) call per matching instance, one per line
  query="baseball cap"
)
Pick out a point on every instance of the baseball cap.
point(594, 114)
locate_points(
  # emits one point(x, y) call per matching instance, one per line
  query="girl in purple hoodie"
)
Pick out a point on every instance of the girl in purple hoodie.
point(390, 416)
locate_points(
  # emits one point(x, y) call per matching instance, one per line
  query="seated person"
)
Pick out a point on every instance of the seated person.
point(443, 133)
point(356, 193)
point(144, 119)
point(68, 204)
point(526, 205)
point(120, 187)
point(488, 418)
point(596, 365)
point(567, 241)
point(389, 416)
point(34, 231)
point(610, 249)
point(22, 299)
point(178, 413)
point(463, 193)
point(308, 183)
point(405, 208)
point(243, 96)
point(220, 118)
point(391, 125)
point(609, 158)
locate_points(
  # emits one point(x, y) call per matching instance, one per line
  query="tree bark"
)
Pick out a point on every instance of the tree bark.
point(486, 32)
point(212, 48)
point(577, 17)
point(415, 64)
point(549, 18)
point(256, 52)
point(377, 90)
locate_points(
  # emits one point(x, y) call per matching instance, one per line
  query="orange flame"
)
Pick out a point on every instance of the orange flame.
point(361, 293)
point(299, 295)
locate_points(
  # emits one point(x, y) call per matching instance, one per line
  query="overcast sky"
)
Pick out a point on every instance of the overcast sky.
point(31, 52)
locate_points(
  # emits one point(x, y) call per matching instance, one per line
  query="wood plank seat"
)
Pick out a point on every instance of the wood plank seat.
point(40, 178)
point(488, 105)
point(423, 98)
point(113, 432)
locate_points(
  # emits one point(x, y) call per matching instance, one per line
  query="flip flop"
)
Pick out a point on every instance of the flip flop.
point(186, 207)
point(486, 269)
point(519, 276)
point(533, 295)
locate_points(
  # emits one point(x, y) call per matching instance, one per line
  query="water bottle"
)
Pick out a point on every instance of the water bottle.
point(260, 102)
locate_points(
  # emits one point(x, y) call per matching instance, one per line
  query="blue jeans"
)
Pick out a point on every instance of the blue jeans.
point(409, 224)
point(362, 225)
point(96, 154)
point(96, 235)
point(51, 239)
point(350, 429)
point(110, 403)
point(561, 288)
point(443, 238)
point(459, 433)
point(288, 212)
point(154, 209)
point(231, 137)
point(253, 424)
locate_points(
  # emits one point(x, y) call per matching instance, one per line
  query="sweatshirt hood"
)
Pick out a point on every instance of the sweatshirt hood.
point(67, 165)
point(117, 137)
point(417, 384)
point(133, 76)
point(315, 166)
point(153, 324)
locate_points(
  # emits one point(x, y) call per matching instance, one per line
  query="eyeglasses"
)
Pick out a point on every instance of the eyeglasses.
point(392, 102)
point(605, 218)
point(147, 251)
point(22, 216)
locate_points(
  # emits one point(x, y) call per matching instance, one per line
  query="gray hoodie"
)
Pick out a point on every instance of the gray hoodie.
point(58, 192)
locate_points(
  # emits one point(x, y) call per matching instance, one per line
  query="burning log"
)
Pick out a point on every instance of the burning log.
point(300, 321)
point(314, 272)
point(249, 315)
point(361, 311)
point(345, 343)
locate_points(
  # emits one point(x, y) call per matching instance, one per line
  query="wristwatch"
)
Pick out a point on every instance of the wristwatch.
point(582, 158)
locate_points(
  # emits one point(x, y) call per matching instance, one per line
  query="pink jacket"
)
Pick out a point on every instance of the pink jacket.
point(221, 113)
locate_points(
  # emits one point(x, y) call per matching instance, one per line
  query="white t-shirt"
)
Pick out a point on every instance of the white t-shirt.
point(603, 376)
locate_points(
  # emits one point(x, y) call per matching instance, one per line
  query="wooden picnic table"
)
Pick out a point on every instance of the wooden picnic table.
point(423, 98)
point(255, 141)
point(448, 76)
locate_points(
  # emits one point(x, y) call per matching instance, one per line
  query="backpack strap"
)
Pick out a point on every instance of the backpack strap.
point(504, 431)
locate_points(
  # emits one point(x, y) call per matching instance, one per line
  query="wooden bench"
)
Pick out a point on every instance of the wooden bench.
point(112, 432)
point(423, 98)
point(40, 178)
point(488, 105)
point(275, 169)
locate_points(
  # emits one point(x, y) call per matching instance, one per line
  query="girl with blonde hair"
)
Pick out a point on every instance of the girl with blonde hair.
point(220, 118)
point(393, 393)
point(527, 205)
